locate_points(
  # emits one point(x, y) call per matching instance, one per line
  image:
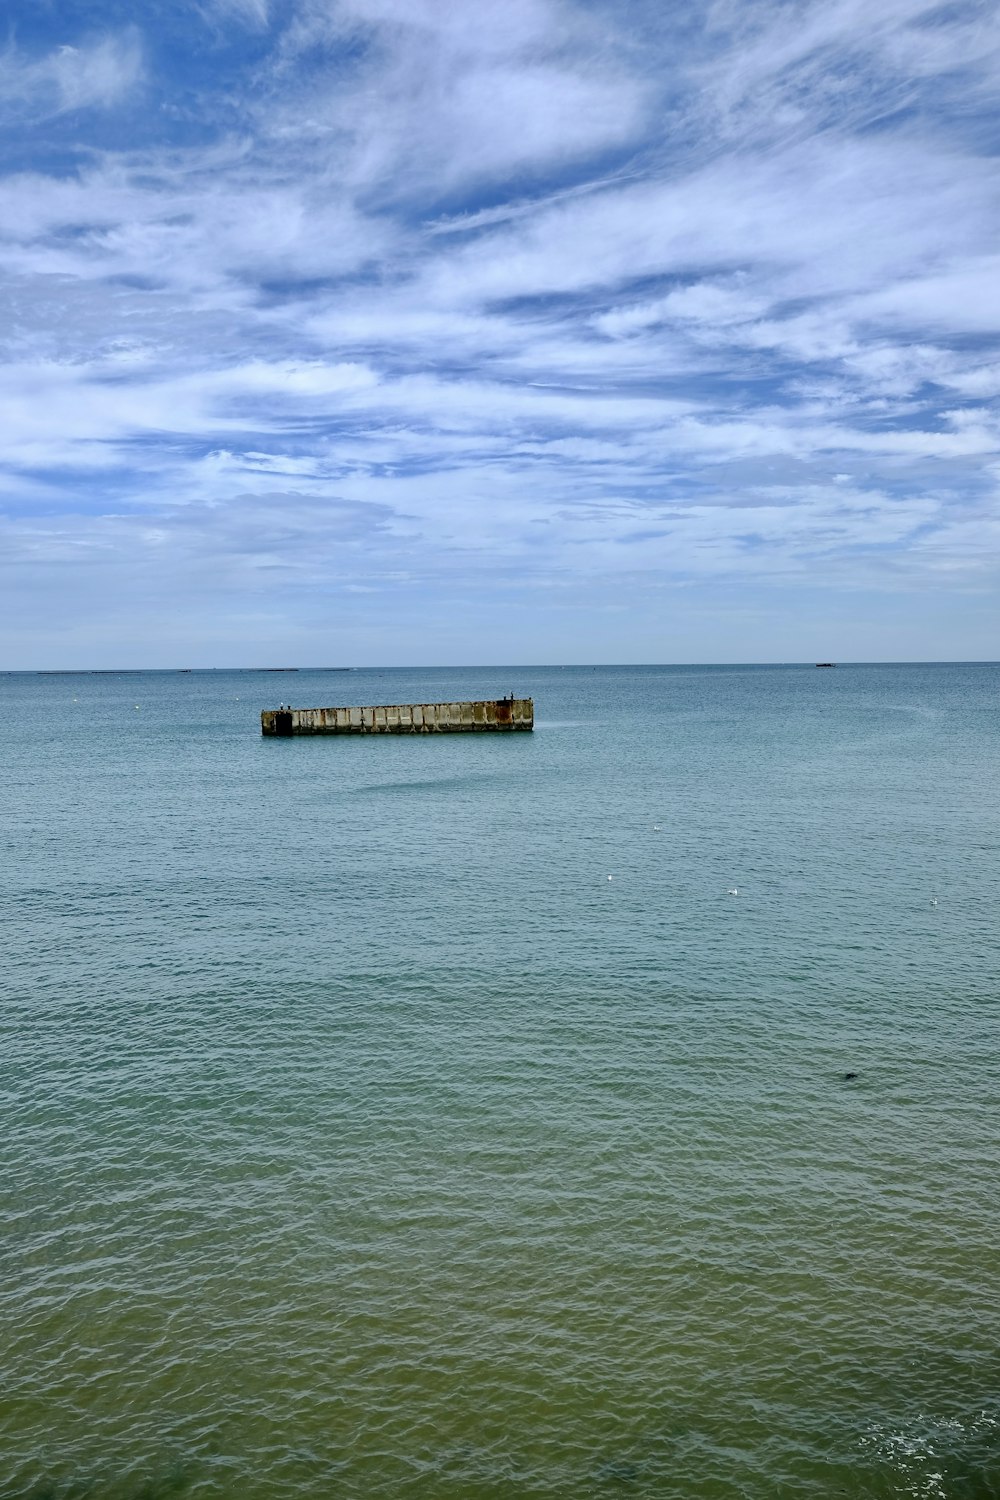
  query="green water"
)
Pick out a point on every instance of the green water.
point(361, 1138)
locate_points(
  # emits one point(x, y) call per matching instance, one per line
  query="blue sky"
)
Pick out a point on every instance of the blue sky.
point(416, 331)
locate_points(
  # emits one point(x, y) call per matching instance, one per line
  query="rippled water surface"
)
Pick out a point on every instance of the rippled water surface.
point(362, 1138)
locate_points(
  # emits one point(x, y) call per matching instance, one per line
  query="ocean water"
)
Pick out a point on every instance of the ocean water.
point(362, 1138)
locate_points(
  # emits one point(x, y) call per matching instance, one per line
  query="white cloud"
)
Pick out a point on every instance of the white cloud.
point(490, 30)
point(465, 94)
point(391, 303)
point(718, 305)
point(212, 226)
point(97, 73)
point(254, 12)
point(791, 68)
point(961, 297)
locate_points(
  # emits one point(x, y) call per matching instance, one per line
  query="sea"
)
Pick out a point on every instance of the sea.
point(608, 1111)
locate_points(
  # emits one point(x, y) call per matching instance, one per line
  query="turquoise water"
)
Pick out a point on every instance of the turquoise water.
point(360, 1137)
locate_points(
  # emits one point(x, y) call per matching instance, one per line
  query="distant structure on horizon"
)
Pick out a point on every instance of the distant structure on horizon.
point(488, 715)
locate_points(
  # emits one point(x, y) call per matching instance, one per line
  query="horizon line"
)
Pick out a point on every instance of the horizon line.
point(501, 666)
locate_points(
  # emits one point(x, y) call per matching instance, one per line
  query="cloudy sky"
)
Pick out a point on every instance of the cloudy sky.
point(446, 331)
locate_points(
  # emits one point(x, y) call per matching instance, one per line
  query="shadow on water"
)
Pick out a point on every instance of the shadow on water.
point(159, 1485)
point(617, 1471)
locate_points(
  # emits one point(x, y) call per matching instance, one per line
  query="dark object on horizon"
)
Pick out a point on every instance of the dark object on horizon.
point(826, 664)
point(488, 715)
point(850, 1077)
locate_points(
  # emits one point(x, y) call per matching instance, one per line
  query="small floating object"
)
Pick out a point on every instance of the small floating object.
point(656, 827)
point(850, 1077)
point(733, 891)
point(610, 877)
point(934, 901)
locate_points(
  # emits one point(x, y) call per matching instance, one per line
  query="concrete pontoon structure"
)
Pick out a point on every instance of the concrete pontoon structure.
point(490, 715)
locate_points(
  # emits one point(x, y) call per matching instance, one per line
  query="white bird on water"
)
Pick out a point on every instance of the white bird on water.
point(611, 877)
point(733, 891)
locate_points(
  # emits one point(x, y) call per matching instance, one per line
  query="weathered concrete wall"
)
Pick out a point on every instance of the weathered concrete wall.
point(403, 718)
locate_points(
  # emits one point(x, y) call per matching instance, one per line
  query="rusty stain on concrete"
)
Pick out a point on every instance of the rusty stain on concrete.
point(488, 715)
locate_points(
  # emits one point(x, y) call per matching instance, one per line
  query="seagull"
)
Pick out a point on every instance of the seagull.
point(934, 901)
point(733, 891)
point(656, 827)
point(611, 877)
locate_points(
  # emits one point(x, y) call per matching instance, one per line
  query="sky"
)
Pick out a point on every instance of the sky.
point(399, 332)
